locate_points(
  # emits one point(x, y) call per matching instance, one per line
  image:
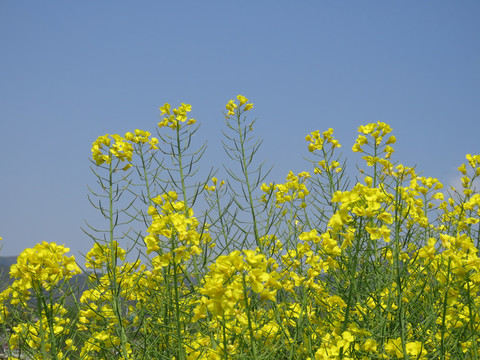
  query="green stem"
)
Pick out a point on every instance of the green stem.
point(400, 310)
point(116, 306)
point(471, 316)
point(40, 305)
point(249, 317)
point(249, 189)
point(181, 350)
point(225, 350)
point(444, 313)
point(145, 176)
point(353, 285)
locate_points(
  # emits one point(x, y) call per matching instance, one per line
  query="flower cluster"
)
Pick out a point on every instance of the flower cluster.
point(175, 117)
point(44, 265)
point(100, 254)
point(317, 140)
point(121, 148)
point(214, 186)
point(227, 293)
point(377, 131)
point(142, 137)
point(231, 105)
point(174, 220)
point(293, 189)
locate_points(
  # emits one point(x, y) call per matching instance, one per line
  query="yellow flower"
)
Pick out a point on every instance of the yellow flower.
point(370, 345)
point(44, 263)
point(121, 149)
point(165, 109)
point(248, 107)
point(231, 106)
point(356, 148)
point(256, 277)
point(178, 117)
point(69, 344)
point(242, 99)
point(346, 339)
point(152, 243)
point(253, 258)
point(214, 186)
point(416, 349)
point(153, 144)
point(338, 219)
point(391, 140)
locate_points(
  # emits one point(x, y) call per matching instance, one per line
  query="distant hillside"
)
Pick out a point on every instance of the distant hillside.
point(5, 263)
point(7, 260)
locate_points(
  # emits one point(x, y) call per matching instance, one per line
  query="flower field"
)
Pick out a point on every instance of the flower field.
point(383, 266)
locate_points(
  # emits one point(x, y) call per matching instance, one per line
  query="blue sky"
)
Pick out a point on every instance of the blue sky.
point(71, 71)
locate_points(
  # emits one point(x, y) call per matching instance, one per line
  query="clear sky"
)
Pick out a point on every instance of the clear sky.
point(74, 70)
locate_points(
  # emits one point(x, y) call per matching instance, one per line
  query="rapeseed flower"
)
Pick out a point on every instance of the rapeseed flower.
point(232, 106)
point(175, 117)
